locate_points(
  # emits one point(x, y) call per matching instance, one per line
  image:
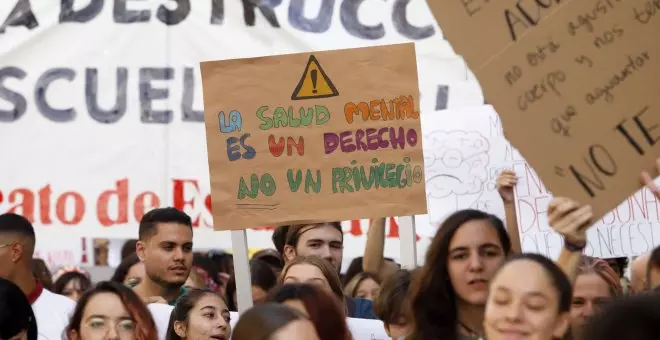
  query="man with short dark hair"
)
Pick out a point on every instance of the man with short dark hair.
point(17, 242)
point(165, 247)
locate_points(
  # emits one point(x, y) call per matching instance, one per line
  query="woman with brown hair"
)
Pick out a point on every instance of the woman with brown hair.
point(315, 271)
point(274, 322)
point(111, 310)
point(323, 309)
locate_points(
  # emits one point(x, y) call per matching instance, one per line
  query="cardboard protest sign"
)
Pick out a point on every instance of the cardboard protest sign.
point(578, 92)
point(318, 136)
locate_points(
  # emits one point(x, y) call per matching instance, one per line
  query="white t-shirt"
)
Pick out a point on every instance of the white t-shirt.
point(52, 312)
point(161, 314)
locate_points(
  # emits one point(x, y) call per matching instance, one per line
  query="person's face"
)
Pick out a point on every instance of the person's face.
point(654, 278)
point(167, 255)
point(105, 317)
point(73, 290)
point(301, 329)
point(208, 320)
point(590, 294)
point(523, 304)
point(475, 254)
point(368, 289)
point(135, 274)
point(323, 241)
point(307, 273)
point(11, 252)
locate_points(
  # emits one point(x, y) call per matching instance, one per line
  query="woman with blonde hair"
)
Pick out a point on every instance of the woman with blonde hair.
point(363, 285)
point(596, 285)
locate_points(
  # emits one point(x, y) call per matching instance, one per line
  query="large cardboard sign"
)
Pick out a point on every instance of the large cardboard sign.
point(576, 85)
point(314, 136)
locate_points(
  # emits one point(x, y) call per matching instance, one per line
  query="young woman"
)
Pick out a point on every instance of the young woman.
point(325, 312)
point(17, 321)
point(72, 284)
point(534, 305)
point(200, 314)
point(363, 285)
point(315, 271)
point(449, 295)
point(111, 310)
point(596, 285)
point(130, 271)
point(274, 322)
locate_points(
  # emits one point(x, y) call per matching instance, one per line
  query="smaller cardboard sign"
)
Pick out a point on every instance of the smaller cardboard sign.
point(314, 83)
point(342, 146)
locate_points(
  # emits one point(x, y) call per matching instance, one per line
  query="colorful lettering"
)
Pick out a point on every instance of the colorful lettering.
point(286, 117)
point(234, 123)
point(402, 107)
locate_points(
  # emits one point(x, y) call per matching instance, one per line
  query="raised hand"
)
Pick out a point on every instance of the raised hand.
point(506, 181)
point(647, 180)
point(570, 219)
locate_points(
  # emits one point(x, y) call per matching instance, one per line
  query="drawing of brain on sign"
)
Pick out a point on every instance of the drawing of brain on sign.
point(311, 137)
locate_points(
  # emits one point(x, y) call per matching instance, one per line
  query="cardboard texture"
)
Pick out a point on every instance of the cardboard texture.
point(308, 137)
point(578, 94)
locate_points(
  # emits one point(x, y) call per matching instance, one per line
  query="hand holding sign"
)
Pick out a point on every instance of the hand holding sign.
point(576, 87)
point(341, 141)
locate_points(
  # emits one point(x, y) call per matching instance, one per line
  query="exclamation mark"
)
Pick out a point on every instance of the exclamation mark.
point(313, 74)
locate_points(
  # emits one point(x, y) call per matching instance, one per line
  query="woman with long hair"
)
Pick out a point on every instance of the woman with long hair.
point(449, 295)
point(323, 309)
point(72, 284)
point(200, 314)
point(112, 310)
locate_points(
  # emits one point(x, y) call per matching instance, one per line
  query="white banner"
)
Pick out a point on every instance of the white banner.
point(101, 107)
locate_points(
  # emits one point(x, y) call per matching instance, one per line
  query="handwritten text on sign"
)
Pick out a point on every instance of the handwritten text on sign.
point(314, 137)
point(579, 96)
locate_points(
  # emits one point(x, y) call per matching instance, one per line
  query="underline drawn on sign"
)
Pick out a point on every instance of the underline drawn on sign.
point(314, 83)
point(256, 206)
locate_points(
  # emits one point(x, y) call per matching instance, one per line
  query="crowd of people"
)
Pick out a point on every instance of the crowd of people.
point(476, 283)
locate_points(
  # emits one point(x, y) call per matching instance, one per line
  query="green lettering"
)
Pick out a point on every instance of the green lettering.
point(390, 175)
point(306, 116)
point(279, 117)
point(268, 186)
point(367, 181)
point(311, 183)
point(322, 114)
point(293, 121)
point(267, 122)
point(399, 173)
point(294, 184)
point(244, 191)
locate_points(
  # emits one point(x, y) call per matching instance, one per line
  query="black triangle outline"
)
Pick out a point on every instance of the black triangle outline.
point(295, 96)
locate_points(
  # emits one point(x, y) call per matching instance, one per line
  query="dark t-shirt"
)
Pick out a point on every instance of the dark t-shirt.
point(359, 308)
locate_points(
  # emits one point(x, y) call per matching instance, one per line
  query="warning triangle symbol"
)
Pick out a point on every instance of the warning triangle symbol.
point(314, 83)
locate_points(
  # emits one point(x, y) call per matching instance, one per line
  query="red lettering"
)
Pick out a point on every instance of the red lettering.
point(208, 203)
point(103, 206)
point(179, 194)
point(140, 205)
point(356, 229)
point(44, 204)
point(300, 146)
point(26, 204)
point(1, 198)
point(276, 148)
point(78, 210)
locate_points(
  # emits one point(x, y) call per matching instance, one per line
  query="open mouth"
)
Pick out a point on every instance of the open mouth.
point(219, 337)
point(478, 283)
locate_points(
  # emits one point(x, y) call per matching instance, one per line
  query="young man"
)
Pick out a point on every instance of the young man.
point(165, 247)
point(324, 240)
point(17, 241)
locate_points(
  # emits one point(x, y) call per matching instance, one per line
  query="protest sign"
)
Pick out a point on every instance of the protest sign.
point(581, 85)
point(314, 137)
